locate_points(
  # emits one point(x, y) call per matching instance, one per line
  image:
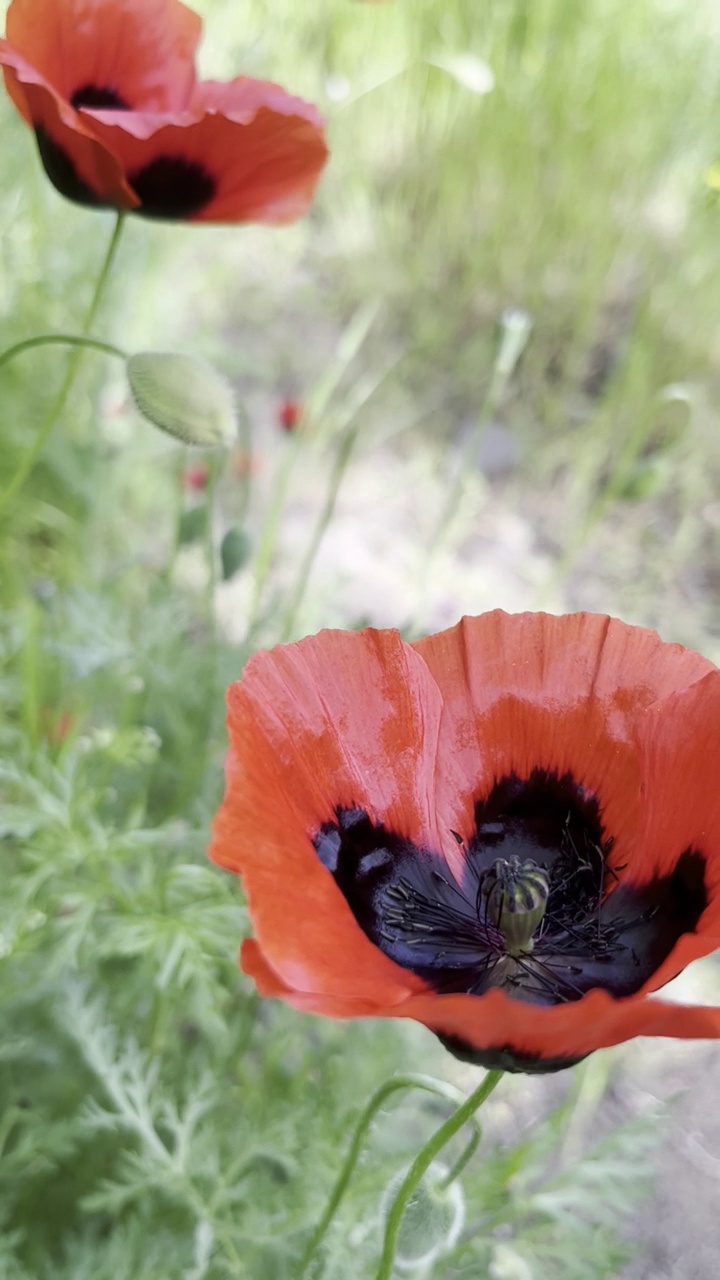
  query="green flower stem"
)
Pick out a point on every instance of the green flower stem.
point(210, 553)
point(58, 404)
point(376, 1103)
point(340, 466)
point(245, 442)
point(421, 1164)
point(61, 340)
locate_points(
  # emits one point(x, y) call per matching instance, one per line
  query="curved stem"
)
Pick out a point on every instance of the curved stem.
point(58, 404)
point(377, 1101)
point(326, 515)
point(421, 1164)
point(63, 340)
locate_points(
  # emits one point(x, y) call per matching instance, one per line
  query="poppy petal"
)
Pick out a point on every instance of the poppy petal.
point(133, 54)
point(269, 984)
point(561, 694)
point(496, 1023)
point(244, 152)
point(679, 744)
point(337, 720)
point(567, 1031)
point(79, 165)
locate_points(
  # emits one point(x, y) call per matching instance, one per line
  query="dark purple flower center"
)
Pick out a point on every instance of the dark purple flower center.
point(597, 929)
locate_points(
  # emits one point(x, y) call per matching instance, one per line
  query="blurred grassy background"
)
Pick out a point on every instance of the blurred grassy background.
point(533, 154)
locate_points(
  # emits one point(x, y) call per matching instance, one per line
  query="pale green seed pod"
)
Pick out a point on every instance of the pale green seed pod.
point(184, 396)
point(516, 895)
point(432, 1222)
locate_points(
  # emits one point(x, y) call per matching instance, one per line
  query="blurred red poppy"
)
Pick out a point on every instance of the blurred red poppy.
point(509, 831)
point(109, 87)
point(196, 478)
point(289, 414)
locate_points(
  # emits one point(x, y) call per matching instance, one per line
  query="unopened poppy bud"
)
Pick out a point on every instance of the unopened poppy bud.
point(516, 895)
point(432, 1221)
point(184, 396)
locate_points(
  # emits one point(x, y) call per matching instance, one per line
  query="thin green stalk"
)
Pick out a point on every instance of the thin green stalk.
point(421, 1164)
point(245, 443)
point(340, 466)
point(213, 477)
point(63, 340)
point(58, 404)
point(376, 1103)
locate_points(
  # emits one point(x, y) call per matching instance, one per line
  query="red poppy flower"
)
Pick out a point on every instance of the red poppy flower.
point(109, 87)
point(509, 831)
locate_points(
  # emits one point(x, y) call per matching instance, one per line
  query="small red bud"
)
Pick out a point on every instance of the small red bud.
point(289, 414)
point(196, 478)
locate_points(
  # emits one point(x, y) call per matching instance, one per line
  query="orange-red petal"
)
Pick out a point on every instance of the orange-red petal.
point(261, 151)
point(563, 694)
point(84, 158)
point(341, 718)
point(495, 1021)
point(569, 1030)
point(679, 745)
point(142, 50)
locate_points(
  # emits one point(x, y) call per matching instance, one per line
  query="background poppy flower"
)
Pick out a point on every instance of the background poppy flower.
point(393, 810)
point(109, 87)
point(289, 414)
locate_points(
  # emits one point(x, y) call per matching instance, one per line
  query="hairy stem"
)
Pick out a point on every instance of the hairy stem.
point(421, 1164)
point(375, 1104)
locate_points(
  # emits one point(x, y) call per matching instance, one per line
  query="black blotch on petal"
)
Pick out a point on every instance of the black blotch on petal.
point(650, 919)
point(172, 187)
point(61, 171)
point(544, 817)
point(600, 930)
point(505, 1058)
point(100, 96)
